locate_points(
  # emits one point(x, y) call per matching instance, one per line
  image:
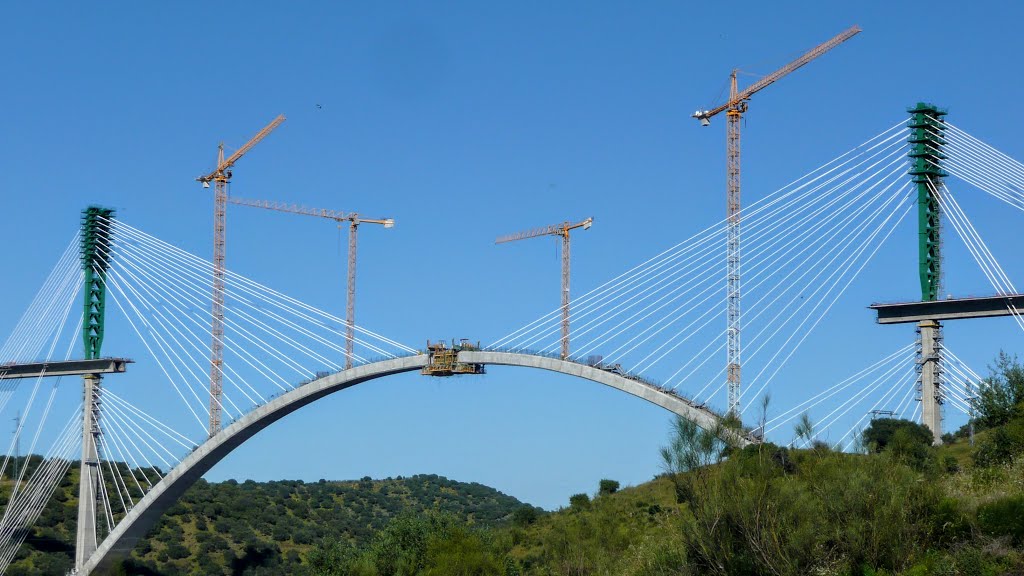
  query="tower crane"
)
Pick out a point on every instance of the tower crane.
point(354, 220)
point(563, 231)
point(220, 177)
point(734, 109)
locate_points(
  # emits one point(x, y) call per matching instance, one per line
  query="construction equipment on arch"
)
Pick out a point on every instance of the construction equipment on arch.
point(734, 108)
point(354, 220)
point(444, 360)
point(562, 230)
point(220, 177)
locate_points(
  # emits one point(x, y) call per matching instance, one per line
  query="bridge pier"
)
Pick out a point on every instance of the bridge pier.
point(89, 478)
point(929, 380)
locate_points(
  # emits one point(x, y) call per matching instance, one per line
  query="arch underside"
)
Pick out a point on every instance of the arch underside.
point(137, 523)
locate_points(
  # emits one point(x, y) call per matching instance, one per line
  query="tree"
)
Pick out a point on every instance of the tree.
point(401, 547)
point(525, 515)
point(1001, 445)
point(880, 433)
point(1001, 395)
point(693, 449)
point(331, 558)
point(909, 446)
point(460, 552)
point(804, 429)
point(608, 487)
point(579, 501)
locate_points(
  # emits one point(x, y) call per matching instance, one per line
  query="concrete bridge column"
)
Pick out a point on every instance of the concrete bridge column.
point(930, 359)
point(89, 479)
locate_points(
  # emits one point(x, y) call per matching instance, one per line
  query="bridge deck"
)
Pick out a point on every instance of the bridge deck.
point(951, 309)
point(63, 368)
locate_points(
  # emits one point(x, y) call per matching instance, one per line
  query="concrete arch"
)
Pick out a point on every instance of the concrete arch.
point(165, 493)
point(676, 404)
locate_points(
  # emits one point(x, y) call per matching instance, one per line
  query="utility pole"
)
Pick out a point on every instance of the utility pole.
point(220, 178)
point(354, 220)
point(734, 110)
point(563, 231)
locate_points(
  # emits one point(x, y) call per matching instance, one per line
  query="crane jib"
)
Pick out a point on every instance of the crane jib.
point(766, 81)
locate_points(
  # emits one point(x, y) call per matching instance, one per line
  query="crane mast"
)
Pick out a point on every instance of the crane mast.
point(220, 178)
point(338, 216)
point(732, 250)
point(562, 230)
point(734, 109)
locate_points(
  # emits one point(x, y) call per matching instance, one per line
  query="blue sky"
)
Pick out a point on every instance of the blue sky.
point(464, 121)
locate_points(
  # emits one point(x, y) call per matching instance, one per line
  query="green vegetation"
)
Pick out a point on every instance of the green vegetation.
point(901, 507)
point(262, 528)
point(1002, 399)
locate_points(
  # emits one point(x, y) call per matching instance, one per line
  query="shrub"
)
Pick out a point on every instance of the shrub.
point(907, 445)
point(608, 487)
point(950, 522)
point(840, 511)
point(1003, 517)
point(524, 516)
point(579, 501)
point(1001, 393)
point(950, 464)
point(882, 431)
point(1001, 445)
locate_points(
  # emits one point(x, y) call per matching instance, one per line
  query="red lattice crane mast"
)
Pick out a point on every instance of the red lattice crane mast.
point(563, 231)
point(734, 109)
point(220, 178)
point(354, 220)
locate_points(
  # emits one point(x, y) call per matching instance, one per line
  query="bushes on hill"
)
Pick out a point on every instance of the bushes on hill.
point(882, 432)
point(608, 487)
point(1003, 517)
point(1001, 396)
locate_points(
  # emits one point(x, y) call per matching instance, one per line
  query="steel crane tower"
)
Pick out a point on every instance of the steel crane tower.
point(354, 220)
point(563, 231)
point(220, 178)
point(734, 109)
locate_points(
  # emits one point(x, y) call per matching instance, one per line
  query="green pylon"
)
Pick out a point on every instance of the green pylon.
point(927, 138)
point(95, 253)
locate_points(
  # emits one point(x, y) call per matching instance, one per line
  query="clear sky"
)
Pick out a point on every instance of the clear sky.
point(464, 121)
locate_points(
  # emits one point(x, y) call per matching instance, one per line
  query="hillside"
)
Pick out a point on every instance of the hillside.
point(905, 510)
point(262, 527)
point(899, 508)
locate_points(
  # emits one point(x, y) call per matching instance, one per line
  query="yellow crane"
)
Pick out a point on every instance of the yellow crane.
point(220, 177)
point(734, 109)
point(354, 220)
point(563, 231)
